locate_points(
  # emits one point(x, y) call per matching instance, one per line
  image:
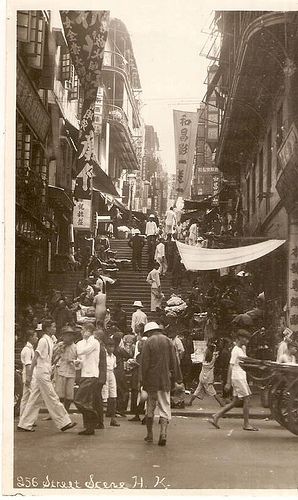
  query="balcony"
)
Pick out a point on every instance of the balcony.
point(115, 61)
point(121, 136)
point(255, 53)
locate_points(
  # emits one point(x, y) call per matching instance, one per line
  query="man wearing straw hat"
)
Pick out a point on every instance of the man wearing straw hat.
point(138, 317)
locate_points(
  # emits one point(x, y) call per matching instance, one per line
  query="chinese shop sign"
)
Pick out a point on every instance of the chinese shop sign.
point(86, 34)
point(82, 215)
point(185, 130)
point(30, 105)
point(293, 273)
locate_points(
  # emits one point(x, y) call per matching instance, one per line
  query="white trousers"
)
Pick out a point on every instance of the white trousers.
point(25, 396)
point(163, 265)
point(163, 400)
point(43, 390)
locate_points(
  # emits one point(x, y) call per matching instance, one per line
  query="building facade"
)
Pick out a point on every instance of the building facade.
point(256, 85)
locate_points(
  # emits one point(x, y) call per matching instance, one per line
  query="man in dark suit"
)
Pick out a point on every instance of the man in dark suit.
point(160, 372)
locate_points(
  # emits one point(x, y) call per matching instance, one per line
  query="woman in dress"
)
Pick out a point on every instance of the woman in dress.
point(100, 306)
point(153, 279)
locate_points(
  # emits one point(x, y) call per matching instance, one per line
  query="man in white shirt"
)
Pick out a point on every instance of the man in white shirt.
point(27, 355)
point(151, 233)
point(138, 317)
point(43, 388)
point(170, 221)
point(87, 396)
point(160, 256)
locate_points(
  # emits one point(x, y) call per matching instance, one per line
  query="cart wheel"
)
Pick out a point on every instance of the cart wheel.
point(277, 403)
point(292, 421)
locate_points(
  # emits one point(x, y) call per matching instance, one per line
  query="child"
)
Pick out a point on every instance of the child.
point(109, 390)
point(289, 355)
point(66, 371)
point(206, 379)
point(237, 379)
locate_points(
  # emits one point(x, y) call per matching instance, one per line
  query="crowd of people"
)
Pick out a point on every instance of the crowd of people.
point(80, 352)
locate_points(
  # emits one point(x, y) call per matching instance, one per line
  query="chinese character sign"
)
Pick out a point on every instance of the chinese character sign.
point(82, 214)
point(293, 274)
point(86, 34)
point(185, 131)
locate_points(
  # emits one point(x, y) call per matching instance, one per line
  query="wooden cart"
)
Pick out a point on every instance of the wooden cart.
point(281, 382)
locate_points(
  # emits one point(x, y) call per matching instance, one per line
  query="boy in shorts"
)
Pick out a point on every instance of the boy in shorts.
point(66, 372)
point(237, 379)
point(109, 390)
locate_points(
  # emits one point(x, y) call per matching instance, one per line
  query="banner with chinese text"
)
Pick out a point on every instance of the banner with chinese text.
point(82, 215)
point(86, 34)
point(185, 131)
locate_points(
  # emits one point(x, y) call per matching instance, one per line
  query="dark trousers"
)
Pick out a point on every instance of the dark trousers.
point(100, 406)
point(122, 392)
point(137, 260)
point(151, 250)
point(92, 418)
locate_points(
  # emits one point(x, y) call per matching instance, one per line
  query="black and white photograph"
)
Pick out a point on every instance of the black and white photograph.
point(151, 248)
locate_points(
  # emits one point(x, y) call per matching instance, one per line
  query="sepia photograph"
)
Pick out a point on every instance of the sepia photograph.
point(151, 250)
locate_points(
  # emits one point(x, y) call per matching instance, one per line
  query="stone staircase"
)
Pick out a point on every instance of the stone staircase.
point(65, 282)
point(133, 285)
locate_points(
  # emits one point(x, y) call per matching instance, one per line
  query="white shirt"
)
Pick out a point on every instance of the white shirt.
point(90, 291)
point(45, 351)
point(287, 358)
point(153, 278)
point(151, 228)
point(179, 348)
point(193, 231)
point(27, 355)
point(170, 217)
point(137, 318)
point(237, 371)
point(159, 251)
point(111, 362)
point(88, 354)
point(105, 279)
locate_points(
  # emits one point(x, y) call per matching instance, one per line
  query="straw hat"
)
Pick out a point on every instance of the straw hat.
point(137, 303)
point(151, 327)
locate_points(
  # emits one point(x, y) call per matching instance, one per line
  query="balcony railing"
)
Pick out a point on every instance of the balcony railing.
point(112, 112)
point(115, 60)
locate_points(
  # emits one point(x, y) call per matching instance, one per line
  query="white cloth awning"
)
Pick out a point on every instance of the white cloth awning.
point(204, 259)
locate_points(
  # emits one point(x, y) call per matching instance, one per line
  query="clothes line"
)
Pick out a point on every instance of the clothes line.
point(204, 259)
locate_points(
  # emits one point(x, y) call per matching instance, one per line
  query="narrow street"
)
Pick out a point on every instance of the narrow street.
point(196, 456)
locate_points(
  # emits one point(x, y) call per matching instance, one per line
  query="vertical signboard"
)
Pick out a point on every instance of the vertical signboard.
point(185, 131)
point(86, 34)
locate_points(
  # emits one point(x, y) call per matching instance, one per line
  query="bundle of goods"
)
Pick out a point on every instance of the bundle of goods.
point(175, 304)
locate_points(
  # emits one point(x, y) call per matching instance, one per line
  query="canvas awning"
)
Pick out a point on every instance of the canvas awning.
point(102, 182)
point(204, 259)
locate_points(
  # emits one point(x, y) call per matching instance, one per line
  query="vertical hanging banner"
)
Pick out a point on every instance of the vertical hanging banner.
point(185, 132)
point(86, 34)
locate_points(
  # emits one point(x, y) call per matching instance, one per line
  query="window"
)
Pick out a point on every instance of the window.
point(279, 134)
point(74, 93)
point(35, 47)
point(253, 188)
point(261, 175)
point(36, 158)
point(248, 197)
point(23, 26)
point(65, 67)
point(269, 170)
